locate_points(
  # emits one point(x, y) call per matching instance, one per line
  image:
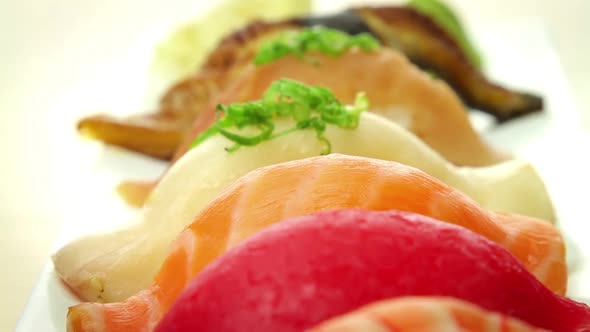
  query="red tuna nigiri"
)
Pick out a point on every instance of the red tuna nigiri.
point(300, 272)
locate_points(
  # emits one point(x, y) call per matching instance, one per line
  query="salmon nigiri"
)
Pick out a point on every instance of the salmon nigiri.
point(100, 266)
point(423, 314)
point(300, 272)
point(271, 194)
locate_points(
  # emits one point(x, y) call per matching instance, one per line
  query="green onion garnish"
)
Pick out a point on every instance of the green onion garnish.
point(314, 39)
point(311, 107)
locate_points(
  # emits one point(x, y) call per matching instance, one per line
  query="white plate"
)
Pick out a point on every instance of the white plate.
point(518, 53)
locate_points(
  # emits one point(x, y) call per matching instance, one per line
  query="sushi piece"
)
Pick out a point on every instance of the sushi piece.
point(427, 44)
point(424, 314)
point(303, 271)
point(397, 90)
point(136, 252)
point(430, 46)
point(271, 194)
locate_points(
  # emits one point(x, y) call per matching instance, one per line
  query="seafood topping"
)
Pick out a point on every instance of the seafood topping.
point(305, 270)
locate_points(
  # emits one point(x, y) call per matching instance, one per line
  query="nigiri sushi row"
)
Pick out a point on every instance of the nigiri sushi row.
point(100, 267)
point(271, 194)
point(233, 238)
point(436, 44)
point(244, 265)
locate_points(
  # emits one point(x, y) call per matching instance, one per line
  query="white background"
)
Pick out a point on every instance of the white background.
point(60, 59)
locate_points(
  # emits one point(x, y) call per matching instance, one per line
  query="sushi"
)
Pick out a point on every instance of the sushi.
point(305, 270)
point(397, 90)
point(271, 194)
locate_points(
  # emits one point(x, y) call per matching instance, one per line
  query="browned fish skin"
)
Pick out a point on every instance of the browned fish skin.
point(427, 45)
point(156, 134)
point(240, 46)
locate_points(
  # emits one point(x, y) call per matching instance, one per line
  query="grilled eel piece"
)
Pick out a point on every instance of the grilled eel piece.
point(417, 36)
point(430, 47)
